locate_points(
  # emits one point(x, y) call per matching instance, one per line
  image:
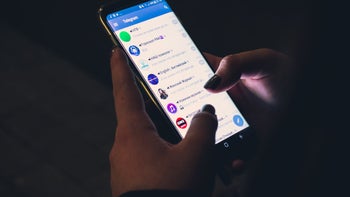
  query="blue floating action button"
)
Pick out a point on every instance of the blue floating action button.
point(238, 120)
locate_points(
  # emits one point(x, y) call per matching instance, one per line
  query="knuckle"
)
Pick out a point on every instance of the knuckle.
point(233, 59)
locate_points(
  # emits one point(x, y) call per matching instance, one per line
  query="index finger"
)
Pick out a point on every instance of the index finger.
point(127, 98)
point(252, 65)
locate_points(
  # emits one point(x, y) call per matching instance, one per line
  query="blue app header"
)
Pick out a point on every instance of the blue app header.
point(137, 14)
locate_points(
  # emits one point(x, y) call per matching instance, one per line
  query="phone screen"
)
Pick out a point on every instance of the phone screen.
point(171, 66)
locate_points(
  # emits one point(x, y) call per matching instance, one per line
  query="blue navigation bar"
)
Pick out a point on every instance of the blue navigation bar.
point(137, 14)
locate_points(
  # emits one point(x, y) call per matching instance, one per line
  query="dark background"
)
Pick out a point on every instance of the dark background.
point(56, 108)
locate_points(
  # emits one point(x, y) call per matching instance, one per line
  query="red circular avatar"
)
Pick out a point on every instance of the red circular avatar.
point(181, 123)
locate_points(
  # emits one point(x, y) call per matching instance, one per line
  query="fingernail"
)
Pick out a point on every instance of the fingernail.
point(208, 108)
point(213, 82)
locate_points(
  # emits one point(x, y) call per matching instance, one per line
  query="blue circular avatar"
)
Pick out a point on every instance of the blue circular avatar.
point(153, 79)
point(134, 50)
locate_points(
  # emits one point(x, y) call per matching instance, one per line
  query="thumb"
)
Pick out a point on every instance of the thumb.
point(201, 134)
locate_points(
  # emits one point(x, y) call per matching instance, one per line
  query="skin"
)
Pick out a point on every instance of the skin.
point(140, 160)
point(259, 81)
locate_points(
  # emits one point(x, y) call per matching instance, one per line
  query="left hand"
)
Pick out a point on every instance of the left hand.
point(140, 159)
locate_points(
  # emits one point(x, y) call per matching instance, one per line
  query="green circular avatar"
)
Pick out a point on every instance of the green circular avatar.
point(125, 36)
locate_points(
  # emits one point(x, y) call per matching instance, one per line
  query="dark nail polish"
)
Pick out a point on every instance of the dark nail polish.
point(208, 108)
point(213, 82)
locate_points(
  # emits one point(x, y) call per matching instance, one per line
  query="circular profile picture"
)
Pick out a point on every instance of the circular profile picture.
point(162, 93)
point(181, 123)
point(134, 50)
point(172, 108)
point(238, 120)
point(144, 64)
point(153, 79)
point(125, 36)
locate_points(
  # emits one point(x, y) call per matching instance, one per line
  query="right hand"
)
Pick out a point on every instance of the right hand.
point(260, 82)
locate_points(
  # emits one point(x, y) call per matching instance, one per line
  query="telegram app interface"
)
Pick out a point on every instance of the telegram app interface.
point(172, 66)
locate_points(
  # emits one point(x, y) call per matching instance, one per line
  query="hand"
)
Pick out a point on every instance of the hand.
point(260, 81)
point(140, 159)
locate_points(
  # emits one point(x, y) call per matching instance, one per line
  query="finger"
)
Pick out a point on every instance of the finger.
point(255, 64)
point(201, 134)
point(213, 60)
point(127, 98)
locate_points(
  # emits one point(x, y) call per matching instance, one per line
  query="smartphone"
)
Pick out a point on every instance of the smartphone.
point(171, 68)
